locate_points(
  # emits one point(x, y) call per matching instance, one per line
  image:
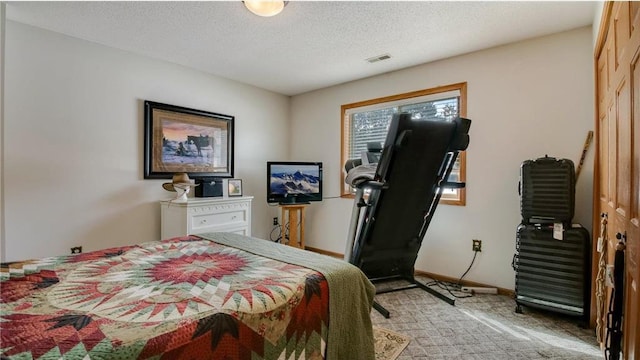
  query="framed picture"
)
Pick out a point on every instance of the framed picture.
point(235, 187)
point(179, 139)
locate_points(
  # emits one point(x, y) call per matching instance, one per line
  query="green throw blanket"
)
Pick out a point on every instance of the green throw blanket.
point(349, 289)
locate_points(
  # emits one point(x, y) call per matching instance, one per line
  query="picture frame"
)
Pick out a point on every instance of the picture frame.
point(235, 187)
point(179, 139)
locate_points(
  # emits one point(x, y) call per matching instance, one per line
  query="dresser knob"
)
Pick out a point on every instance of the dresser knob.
point(204, 220)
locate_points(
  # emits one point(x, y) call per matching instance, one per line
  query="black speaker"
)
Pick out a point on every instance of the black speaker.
point(208, 187)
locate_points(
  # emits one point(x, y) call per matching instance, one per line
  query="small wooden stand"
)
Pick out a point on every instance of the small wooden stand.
point(295, 223)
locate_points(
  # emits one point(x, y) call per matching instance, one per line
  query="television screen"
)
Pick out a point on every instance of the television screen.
point(290, 182)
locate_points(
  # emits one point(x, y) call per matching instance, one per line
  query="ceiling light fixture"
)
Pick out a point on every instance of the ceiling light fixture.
point(265, 8)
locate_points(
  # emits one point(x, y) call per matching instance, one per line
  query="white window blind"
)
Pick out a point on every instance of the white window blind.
point(371, 123)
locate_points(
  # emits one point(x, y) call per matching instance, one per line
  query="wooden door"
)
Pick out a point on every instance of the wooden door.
point(604, 192)
point(618, 160)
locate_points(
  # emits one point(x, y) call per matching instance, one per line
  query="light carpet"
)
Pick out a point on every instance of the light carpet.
point(388, 344)
point(483, 327)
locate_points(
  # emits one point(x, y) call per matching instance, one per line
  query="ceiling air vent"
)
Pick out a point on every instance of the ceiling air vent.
point(378, 58)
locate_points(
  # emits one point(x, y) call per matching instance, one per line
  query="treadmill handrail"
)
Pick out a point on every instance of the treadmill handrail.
point(453, 185)
point(372, 184)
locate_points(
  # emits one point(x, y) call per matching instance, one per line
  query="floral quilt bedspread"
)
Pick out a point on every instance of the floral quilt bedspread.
point(182, 298)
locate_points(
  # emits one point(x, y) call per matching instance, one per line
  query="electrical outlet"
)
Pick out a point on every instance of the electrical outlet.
point(275, 221)
point(477, 245)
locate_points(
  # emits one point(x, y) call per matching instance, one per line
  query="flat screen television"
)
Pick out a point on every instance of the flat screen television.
point(294, 182)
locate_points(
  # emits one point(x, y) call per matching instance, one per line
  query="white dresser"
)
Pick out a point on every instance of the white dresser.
point(202, 215)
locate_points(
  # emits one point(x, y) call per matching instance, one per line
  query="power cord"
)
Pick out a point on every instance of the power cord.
point(285, 236)
point(475, 253)
point(450, 288)
point(280, 236)
point(457, 287)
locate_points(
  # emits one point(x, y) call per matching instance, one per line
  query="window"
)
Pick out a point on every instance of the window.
point(368, 121)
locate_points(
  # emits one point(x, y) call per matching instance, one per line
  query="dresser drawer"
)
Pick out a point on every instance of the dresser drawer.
point(242, 230)
point(202, 215)
point(219, 219)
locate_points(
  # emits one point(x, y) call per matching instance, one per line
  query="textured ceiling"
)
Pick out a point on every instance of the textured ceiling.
point(311, 44)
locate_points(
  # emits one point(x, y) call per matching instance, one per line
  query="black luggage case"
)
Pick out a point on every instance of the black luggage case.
point(553, 274)
point(547, 190)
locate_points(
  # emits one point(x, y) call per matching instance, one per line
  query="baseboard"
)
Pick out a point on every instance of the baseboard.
point(325, 252)
point(439, 277)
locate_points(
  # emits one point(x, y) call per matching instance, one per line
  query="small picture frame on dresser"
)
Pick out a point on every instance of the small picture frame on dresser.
point(235, 187)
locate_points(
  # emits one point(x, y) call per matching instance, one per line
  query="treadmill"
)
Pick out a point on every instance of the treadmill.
point(396, 198)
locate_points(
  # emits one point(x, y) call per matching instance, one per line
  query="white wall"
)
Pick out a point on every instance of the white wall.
point(74, 141)
point(526, 100)
point(597, 17)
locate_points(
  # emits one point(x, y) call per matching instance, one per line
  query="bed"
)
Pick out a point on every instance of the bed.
point(211, 296)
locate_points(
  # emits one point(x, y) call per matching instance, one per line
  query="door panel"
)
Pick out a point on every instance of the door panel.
point(634, 16)
point(621, 31)
point(611, 158)
point(603, 80)
point(623, 156)
point(603, 164)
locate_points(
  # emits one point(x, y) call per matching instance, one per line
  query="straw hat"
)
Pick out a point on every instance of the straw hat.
point(179, 179)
